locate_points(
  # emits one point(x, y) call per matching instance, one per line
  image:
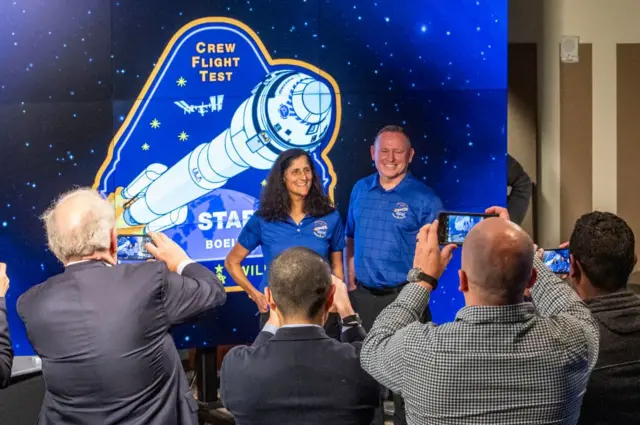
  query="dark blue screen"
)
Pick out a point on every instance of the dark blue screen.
point(76, 76)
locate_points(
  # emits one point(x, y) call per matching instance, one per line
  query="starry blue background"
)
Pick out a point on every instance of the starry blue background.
point(72, 68)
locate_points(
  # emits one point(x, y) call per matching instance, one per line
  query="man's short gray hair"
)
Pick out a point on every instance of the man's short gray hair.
point(87, 233)
point(392, 129)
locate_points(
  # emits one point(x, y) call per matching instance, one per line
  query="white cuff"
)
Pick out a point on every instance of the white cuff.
point(270, 328)
point(183, 264)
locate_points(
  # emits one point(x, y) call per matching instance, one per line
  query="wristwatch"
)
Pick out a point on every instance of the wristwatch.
point(353, 320)
point(417, 275)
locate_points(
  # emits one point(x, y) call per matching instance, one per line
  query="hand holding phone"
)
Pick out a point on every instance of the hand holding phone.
point(133, 248)
point(163, 248)
point(557, 260)
point(454, 226)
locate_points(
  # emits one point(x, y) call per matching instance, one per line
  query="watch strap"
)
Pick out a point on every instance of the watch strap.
point(429, 279)
point(352, 320)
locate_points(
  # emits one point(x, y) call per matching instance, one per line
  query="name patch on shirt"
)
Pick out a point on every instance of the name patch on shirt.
point(400, 211)
point(320, 229)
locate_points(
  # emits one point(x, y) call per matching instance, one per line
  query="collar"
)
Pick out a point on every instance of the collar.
point(299, 333)
point(87, 263)
point(615, 301)
point(496, 314)
point(304, 220)
point(299, 326)
point(375, 183)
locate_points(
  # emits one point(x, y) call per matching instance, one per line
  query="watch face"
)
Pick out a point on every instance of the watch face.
point(414, 275)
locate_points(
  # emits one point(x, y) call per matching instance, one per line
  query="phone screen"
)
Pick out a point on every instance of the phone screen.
point(557, 260)
point(132, 248)
point(454, 227)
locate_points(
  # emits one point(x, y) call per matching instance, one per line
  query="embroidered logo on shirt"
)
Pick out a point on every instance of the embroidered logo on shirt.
point(400, 211)
point(320, 229)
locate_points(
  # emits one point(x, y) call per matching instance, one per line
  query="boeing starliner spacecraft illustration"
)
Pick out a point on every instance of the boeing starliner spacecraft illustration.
point(288, 109)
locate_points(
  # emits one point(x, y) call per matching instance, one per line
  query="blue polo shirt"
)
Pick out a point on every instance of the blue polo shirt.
point(323, 235)
point(384, 225)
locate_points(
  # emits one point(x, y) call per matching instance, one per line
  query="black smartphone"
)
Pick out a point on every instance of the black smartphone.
point(453, 227)
point(557, 260)
point(132, 248)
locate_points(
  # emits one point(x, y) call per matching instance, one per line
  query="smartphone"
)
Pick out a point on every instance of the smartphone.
point(454, 226)
point(557, 260)
point(132, 248)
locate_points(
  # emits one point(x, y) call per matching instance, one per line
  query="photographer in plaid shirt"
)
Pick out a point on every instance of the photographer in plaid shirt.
point(502, 361)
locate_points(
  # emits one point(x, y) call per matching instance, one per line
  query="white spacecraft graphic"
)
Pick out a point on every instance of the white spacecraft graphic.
point(215, 104)
point(288, 109)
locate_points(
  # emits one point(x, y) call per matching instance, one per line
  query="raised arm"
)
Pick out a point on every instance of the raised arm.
point(352, 330)
point(269, 330)
point(188, 288)
point(384, 349)
point(553, 296)
point(6, 352)
point(194, 291)
point(398, 325)
point(555, 299)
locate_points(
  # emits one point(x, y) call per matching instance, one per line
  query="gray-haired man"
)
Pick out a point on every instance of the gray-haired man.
point(103, 331)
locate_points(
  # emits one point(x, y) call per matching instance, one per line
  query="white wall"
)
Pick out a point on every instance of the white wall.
point(603, 23)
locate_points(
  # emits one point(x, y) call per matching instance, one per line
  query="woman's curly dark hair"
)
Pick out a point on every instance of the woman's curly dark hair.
point(275, 202)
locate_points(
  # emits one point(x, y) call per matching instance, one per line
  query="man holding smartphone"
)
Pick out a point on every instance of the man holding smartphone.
point(386, 211)
point(103, 332)
point(503, 360)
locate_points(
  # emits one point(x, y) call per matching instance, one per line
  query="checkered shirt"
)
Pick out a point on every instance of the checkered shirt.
point(515, 364)
point(384, 225)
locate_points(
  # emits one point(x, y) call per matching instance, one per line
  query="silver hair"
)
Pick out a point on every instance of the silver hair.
point(91, 234)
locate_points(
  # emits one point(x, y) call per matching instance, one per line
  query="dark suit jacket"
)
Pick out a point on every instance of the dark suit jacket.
point(613, 392)
point(6, 351)
point(102, 334)
point(299, 376)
